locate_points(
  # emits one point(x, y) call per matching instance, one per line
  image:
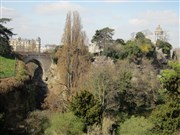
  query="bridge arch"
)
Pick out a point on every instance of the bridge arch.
point(39, 68)
point(37, 62)
point(42, 60)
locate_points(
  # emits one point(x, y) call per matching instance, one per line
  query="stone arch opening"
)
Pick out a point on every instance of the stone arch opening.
point(37, 62)
point(36, 79)
point(38, 72)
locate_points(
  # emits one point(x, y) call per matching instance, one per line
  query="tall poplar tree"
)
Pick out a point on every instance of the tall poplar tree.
point(73, 56)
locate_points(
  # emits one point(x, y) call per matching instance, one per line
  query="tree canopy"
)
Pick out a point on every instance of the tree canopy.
point(166, 117)
point(165, 46)
point(5, 34)
point(103, 37)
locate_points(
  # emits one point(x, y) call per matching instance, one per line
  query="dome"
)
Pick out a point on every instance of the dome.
point(158, 29)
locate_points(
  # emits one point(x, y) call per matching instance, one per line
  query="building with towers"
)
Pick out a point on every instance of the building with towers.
point(159, 33)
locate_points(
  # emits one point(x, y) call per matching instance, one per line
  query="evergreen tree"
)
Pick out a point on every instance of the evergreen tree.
point(85, 106)
point(165, 46)
point(103, 37)
point(5, 34)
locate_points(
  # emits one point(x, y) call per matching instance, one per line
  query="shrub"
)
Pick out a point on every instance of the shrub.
point(135, 126)
point(85, 106)
point(65, 124)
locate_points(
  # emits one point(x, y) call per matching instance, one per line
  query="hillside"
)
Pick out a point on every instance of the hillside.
point(7, 67)
point(15, 75)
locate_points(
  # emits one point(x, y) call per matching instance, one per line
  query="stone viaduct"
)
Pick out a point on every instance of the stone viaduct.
point(41, 59)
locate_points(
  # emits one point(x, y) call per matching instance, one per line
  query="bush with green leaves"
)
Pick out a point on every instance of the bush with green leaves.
point(136, 126)
point(138, 48)
point(85, 106)
point(166, 117)
point(65, 124)
point(165, 46)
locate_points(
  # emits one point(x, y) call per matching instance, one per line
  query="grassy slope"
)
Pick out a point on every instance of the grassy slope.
point(7, 67)
point(9, 83)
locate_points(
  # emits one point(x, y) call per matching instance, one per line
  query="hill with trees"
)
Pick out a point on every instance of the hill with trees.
point(127, 89)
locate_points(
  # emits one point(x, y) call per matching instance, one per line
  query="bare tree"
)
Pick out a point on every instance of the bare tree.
point(73, 58)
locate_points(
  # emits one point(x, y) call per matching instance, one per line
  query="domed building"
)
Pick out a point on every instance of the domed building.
point(159, 33)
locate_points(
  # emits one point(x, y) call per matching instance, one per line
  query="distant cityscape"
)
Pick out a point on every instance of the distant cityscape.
point(30, 45)
point(26, 45)
point(159, 33)
point(34, 45)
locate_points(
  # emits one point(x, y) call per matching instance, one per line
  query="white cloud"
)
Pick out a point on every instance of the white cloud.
point(137, 21)
point(156, 17)
point(58, 7)
point(117, 17)
point(168, 20)
point(9, 13)
point(167, 17)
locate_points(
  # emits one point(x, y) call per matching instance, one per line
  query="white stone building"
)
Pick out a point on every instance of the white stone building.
point(48, 48)
point(94, 48)
point(25, 45)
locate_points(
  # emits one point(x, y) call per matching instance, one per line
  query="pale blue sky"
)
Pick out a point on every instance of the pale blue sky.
point(46, 19)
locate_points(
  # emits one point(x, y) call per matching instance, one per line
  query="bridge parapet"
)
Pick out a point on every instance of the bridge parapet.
point(41, 59)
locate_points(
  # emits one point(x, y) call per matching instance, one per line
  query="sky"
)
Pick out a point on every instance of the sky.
point(46, 18)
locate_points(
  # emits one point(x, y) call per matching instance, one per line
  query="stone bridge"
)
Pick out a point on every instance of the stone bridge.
point(43, 60)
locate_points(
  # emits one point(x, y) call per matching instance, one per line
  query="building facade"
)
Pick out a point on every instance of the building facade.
point(48, 48)
point(159, 33)
point(26, 45)
point(94, 48)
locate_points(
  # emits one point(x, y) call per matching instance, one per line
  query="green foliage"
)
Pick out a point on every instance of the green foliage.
point(120, 42)
point(7, 67)
point(132, 51)
point(85, 106)
point(65, 124)
point(103, 37)
point(5, 34)
point(171, 79)
point(138, 48)
point(166, 117)
point(112, 52)
point(165, 46)
point(21, 71)
point(124, 81)
point(135, 126)
point(140, 35)
point(136, 88)
point(123, 88)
